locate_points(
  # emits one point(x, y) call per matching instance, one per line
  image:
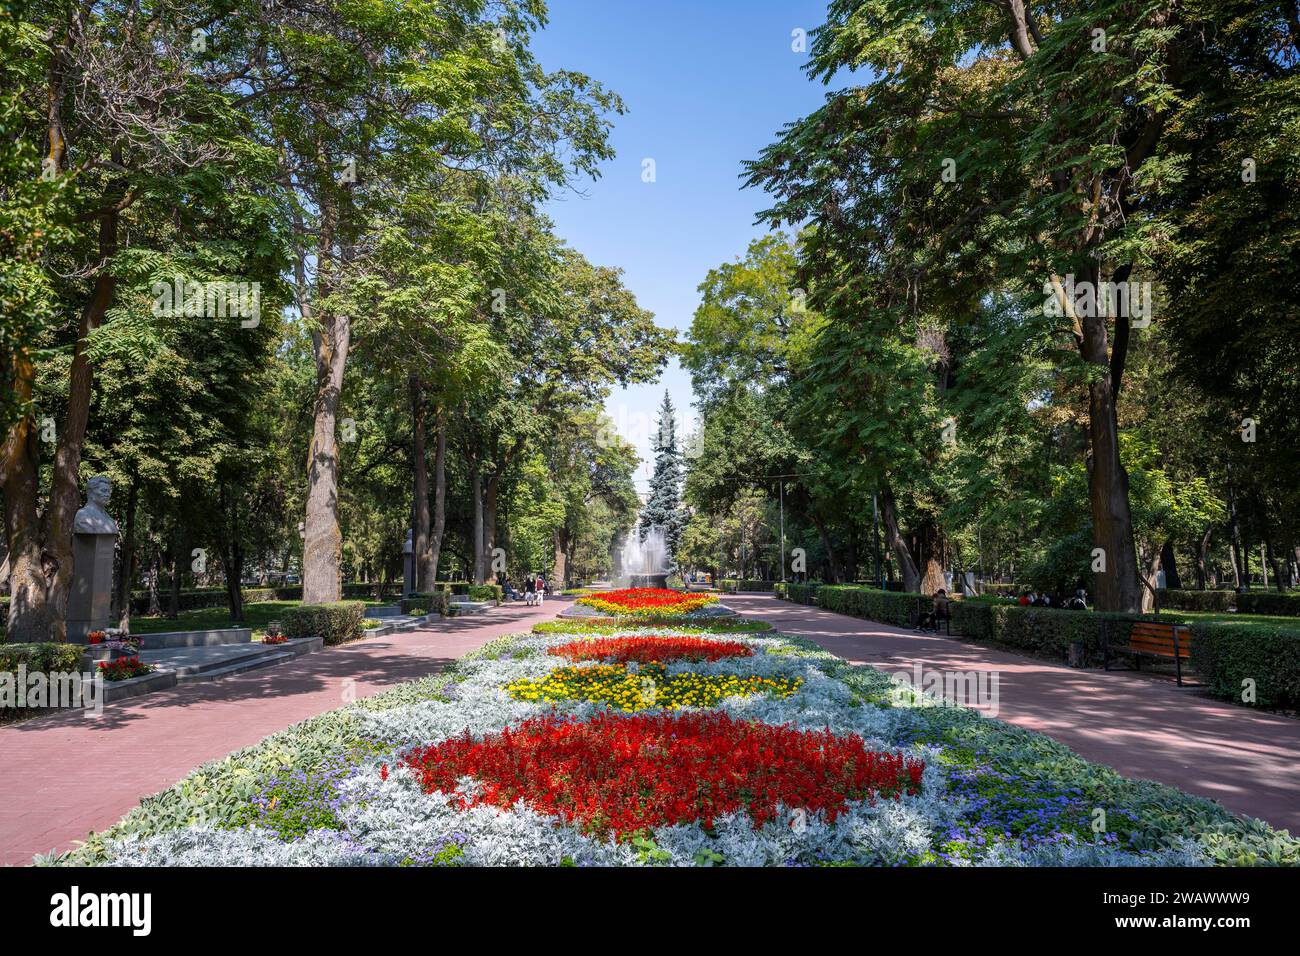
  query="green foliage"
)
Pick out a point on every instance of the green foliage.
point(798, 593)
point(337, 622)
point(1269, 602)
point(1234, 657)
point(889, 607)
point(44, 657)
point(734, 585)
point(434, 602)
point(663, 507)
point(492, 593)
point(1197, 600)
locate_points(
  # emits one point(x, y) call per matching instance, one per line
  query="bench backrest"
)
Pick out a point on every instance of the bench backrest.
point(1157, 638)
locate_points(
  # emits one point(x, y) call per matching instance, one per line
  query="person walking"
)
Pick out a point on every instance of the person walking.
point(541, 588)
point(530, 591)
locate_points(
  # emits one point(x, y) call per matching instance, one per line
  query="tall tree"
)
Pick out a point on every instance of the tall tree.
point(663, 508)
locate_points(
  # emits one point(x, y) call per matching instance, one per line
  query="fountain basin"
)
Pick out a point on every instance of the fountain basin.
point(649, 580)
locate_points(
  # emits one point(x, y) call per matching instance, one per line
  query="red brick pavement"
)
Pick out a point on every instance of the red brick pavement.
point(1142, 726)
point(67, 774)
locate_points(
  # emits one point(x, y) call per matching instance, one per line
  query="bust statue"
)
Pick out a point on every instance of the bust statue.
point(93, 519)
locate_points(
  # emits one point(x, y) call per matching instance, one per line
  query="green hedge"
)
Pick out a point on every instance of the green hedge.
point(888, 607)
point(798, 593)
point(1181, 600)
point(428, 602)
point(1285, 603)
point(1226, 653)
point(734, 585)
point(338, 622)
point(44, 657)
point(1038, 630)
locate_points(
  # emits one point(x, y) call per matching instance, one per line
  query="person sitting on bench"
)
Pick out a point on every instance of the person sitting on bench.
point(938, 612)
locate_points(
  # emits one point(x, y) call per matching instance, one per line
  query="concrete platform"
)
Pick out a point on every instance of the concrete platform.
point(213, 661)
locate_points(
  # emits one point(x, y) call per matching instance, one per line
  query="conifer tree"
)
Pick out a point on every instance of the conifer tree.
point(664, 506)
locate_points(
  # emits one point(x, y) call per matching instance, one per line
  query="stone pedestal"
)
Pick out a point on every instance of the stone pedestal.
point(408, 565)
point(90, 605)
point(94, 536)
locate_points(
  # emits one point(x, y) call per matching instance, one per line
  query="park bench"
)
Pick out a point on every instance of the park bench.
point(1152, 639)
point(925, 606)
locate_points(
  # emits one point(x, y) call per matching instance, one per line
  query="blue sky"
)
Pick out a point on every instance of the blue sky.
point(707, 85)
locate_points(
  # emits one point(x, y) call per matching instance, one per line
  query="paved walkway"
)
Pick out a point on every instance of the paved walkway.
point(65, 775)
point(1142, 726)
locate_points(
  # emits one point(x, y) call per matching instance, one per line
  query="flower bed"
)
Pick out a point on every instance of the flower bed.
point(650, 686)
point(627, 775)
point(455, 769)
point(644, 650)
point(646, 602)
point(124, 668)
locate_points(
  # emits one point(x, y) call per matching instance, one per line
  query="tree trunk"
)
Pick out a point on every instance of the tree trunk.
point(560, 568)
point(1240, 570)
point(439, 499)
point(476, 492)
point(31, 573)
point(232, 554)
point(1151, 561)
point(1202, 560)
point(930, 539)
point(127, 571)
point(1271, 559)
point(420, 489)
point(490, 522)
point(907, 566)
point(322, 541)
point(65, 483)
point(1169, 563)
point(155, 608)
point(1116, 588)
point(832, 564)
point(178, 557)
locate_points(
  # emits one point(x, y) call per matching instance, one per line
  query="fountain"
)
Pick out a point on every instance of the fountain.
point(645, 560)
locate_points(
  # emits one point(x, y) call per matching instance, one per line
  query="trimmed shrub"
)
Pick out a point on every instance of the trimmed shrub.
point(1285, 603)
point(888, 607)
point(45, 657)
point(734, 585)
point(973, 617)
point(799, 593)
point(485, 592)
point(1196, 600)
point(1226, 653)
point(1042, 631)
point(338, 622)
point(428, 602)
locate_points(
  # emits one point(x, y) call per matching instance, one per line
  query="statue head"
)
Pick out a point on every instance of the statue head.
point(98, 489)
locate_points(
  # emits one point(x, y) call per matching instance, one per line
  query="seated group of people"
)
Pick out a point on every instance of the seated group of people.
point(940, 610)
point(1036, 599)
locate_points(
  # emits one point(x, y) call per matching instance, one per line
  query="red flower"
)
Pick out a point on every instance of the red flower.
point(645, 650)
point(624, 774)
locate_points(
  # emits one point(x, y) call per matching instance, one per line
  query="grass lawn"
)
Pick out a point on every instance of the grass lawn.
point(1273, 620)
point(256, 616)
